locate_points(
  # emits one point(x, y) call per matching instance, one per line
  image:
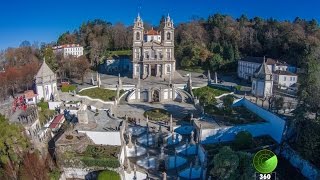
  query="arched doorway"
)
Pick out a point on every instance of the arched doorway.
point(155, 96)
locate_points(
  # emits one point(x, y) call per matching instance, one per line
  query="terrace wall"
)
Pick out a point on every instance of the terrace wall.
point(104, 138)
point(274, 126)
point(209, 136)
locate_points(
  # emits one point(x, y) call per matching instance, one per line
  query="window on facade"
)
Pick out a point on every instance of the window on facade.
point(284, 78)
point(253, 86)
point(168, 36)
point(168, 68)
point(138, 36)
point(153, 54)
point(137, 69)
point(168, 55)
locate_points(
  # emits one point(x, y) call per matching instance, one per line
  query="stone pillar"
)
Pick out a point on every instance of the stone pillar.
point(215, 77)
point(192, 138)
point(160, 94)
point(163, 70)
point(149, 95)
point(164, 175)
point(209, 77)
point(173, 92)
point(129, 140)
point(171, 126)
point(149, 70)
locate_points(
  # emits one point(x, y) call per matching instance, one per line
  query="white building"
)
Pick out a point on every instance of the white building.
point(153, 52)
point(69, 49)
point(247, 66)
point(284, 79)
point(46, 83)
point(30, 97)
point(262, 82)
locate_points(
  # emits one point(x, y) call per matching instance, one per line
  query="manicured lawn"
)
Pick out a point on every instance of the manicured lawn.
point(96, 155)
point(237, 115)
point(102, 151)
point(108, 175)
point(67, 88)
point(99, 93)
point(157, 114)
point(207, 94)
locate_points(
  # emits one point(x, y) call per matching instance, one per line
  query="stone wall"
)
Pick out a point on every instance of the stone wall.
point(304, 166)
point(274, 127)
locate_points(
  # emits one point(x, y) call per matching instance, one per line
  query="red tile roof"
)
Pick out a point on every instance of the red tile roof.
point(66, 46)
point(56, 121)
point(152, 32)
point(29, 94)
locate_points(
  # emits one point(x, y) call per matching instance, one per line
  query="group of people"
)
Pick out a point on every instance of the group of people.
point(20, 103)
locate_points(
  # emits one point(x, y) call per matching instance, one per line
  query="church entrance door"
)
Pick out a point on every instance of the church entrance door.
point(153, 70)
point(155, 96)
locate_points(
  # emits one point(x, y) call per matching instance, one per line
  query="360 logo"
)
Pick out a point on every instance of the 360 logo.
point(265, 161)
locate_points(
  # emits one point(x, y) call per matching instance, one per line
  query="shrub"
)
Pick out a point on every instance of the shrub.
point(157, 114)
point(108, 175)
point(243, 140)
point(101, 162)
point(43, 105)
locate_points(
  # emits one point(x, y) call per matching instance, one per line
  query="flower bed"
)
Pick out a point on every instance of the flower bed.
point(101, 162)
point(102, 151)
point(157, 114)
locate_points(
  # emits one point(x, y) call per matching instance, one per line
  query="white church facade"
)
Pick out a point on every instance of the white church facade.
point(46, 83)
point(262, 81)
point(153, 51)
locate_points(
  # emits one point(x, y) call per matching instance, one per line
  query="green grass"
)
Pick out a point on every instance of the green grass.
point(157, 114)
point(207, 94)
point(43, 105)
point(119, 53)
point(45, 114)
point(95, 156)
point(234, 116)
point(99, 93)
point(108, 175)
point(67, 88)
point(102, 151)
point(196, 69)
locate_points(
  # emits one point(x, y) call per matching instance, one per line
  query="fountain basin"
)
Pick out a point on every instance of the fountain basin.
point(175, 140)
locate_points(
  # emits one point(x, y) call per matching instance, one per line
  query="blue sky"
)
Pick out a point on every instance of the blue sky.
point(43, 21)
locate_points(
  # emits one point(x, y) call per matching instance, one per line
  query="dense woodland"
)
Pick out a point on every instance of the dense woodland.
point(214, 43)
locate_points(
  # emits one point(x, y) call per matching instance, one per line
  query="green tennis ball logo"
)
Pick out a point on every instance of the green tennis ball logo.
point(265, 161)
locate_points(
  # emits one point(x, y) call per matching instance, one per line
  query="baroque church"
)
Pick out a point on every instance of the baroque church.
point(153, 51)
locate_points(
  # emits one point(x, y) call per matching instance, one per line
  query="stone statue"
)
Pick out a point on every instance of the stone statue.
point(192, 138)
point(162, 153)
point(130, 142)
point(171, 126)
